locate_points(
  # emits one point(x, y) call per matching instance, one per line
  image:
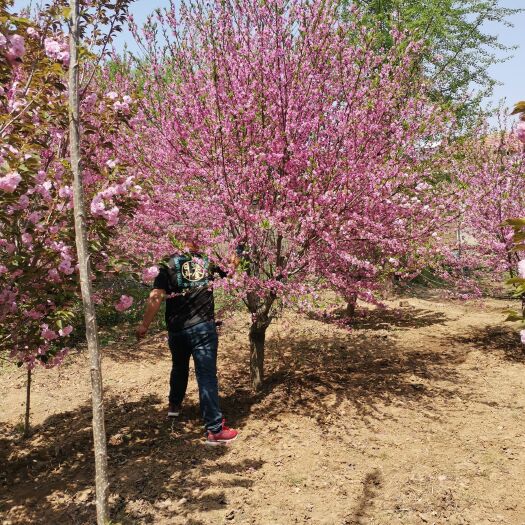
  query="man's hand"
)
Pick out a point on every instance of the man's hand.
point(155, 299)
point(140, 332)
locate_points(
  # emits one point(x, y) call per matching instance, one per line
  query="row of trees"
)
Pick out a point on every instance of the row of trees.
point(286, 128)
point(307, 132)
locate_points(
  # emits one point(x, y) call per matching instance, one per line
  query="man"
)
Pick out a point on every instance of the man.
point(190, 320)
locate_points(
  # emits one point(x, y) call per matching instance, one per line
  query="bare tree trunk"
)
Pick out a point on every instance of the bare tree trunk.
point(99, 433)
point(257, 341)
point(261, 319)
point(351, 303)
point(27, 426)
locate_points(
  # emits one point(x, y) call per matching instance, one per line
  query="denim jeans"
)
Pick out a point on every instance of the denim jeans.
point(201, 342)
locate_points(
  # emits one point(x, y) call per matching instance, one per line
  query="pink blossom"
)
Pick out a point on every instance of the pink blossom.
point(521, 131)
point(112, 163)
point(150, 273)
point(10, 182)
point(34, 314)
point(65, 267)
point(112, 95)
point(97, 205)
point(521, 268)
point(48, 334)
point(23, 202)
point(17, 47)
point(121, 106)
point(3, 269)
point(31, 31)
point(64, 57)
point(3, 40)
point(112, 216)
point(65, 192)
point(52, 47)
point(27, 238)
point(522, 336)
point(124, 303)
point(91, 99)
point(34, 217)
point(64, 332)
point(54, 275)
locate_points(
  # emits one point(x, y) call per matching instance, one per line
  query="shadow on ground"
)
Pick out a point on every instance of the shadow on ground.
point(384, 318)
point(154, 465)
point(315, 372)
point(495, 339)
point(162, 469)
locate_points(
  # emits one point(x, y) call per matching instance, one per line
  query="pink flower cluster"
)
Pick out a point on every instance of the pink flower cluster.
point(13, 46)
point(520, 130)
point(124, 303)
point(104, 205)
point(149, 274)
point(122, 105)
point(10, 182)
point(57, 49)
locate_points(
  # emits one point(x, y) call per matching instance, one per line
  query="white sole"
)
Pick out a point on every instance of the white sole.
point(223, 443)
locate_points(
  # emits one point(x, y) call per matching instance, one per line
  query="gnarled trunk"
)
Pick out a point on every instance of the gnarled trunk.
point(257, 340)
point(261, 319)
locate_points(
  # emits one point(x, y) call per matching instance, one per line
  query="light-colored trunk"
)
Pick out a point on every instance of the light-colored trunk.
point(27, 425)
point(99, 433)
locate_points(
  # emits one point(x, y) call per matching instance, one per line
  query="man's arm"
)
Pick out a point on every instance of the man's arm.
point(155, 299)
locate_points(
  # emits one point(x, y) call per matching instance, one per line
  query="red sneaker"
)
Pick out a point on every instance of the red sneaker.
point(225, 436)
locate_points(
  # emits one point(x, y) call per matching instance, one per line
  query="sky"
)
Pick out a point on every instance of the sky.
point(511, 73)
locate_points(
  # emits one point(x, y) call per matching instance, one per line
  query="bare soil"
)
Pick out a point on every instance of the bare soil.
point(415, 416)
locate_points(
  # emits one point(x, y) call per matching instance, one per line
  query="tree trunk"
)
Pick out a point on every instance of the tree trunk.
point(27, 426)
point(99, 433)
point(257, 340)
point(351, 303)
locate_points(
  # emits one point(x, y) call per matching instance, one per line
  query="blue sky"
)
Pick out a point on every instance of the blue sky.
point(511, 73)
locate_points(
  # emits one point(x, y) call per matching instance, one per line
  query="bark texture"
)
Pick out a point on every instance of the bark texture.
point(99, 433)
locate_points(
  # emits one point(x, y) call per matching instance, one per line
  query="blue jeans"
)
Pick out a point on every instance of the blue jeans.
point(201, 342)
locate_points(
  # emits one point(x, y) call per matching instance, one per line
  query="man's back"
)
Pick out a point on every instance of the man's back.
point(185, 278)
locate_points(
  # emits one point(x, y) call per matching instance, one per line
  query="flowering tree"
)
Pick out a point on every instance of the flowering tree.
point(518, 225)
point(264, 125)
point(38, 277)
point(491, 173)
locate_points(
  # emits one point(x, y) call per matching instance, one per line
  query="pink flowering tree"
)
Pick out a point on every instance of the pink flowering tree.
point(39, 302)
point(518, 225)
point(491, 172)
point(274, 126)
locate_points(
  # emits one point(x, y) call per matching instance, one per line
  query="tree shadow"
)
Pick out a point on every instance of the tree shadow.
point(157, 469)
point(384, 318)
point(161, 469)
point(504, 340)
point(319, 375)
point(149, 350)
point(371, 485)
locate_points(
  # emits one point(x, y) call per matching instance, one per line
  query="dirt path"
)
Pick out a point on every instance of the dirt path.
point(415, 416)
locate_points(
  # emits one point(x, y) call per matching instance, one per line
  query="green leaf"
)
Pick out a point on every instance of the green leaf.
point(519, 108)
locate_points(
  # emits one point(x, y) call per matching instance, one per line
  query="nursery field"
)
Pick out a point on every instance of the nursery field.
point(414, 416)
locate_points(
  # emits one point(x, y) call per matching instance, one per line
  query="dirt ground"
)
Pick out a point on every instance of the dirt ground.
point(415, 416)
